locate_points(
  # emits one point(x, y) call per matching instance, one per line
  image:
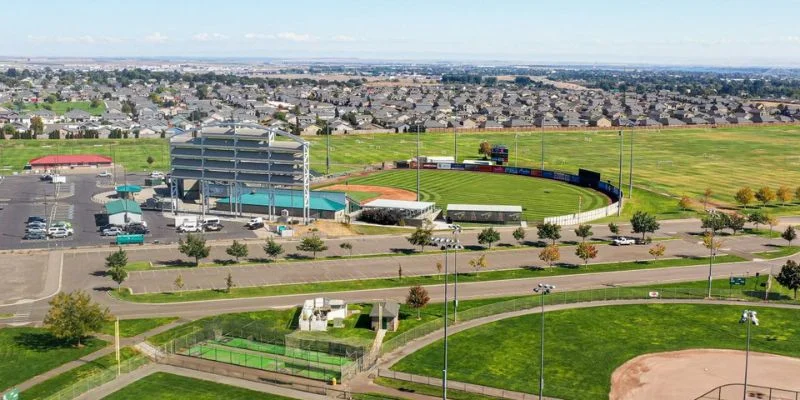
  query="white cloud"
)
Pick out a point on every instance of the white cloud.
point(343, 38)
point(258, 36)
point(207, 37)
point(296, 37)
point(156, 37)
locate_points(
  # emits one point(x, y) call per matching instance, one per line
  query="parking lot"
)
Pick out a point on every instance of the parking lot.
point(25, 195)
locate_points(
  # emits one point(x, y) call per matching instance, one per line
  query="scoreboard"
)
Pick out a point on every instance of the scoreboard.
point(499, 154)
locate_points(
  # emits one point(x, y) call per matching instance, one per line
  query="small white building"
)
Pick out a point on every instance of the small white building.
point(317, 312)
point(123, 212)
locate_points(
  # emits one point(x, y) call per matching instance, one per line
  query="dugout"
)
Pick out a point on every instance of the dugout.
point(484, 213)
point(407, 209)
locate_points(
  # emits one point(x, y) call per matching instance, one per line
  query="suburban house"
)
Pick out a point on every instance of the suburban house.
point(385, 315)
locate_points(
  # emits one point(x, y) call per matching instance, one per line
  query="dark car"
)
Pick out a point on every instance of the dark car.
point(213, 227)
point(35, 218)
point(254, 226)
point(36, 235)
point(137, 230)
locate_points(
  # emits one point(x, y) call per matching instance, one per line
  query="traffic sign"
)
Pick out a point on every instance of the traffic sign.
point(12, 395)
point(737, 280)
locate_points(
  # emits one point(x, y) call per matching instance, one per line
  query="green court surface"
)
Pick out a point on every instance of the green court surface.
point(307, 355)
point(538, 197)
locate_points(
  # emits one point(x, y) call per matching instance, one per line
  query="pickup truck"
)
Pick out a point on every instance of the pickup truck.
point(255, 223)
point(623, 241)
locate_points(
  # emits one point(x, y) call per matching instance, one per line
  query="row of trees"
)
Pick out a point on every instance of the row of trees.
point(765, 195)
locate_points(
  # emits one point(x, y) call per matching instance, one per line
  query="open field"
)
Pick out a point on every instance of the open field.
point(681, 161)
point(166, 386)
point(539, 198)
point(130, 153)
point(61, 107)
point(133, 327)
point(579, 361)
point(27, 352)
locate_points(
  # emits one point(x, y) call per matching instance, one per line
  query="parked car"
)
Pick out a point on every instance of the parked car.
point(35, 218)
point(157, 174)
point(36, 230)
point(137, 230)
point(62, 225)
point(58, 233)
point(36, 224)
point(112, 231)
point(189, 226)
point(255, 223)
point(212, 227)
point(623, 241)
point(46, 177)
point(34, 236)
point(104, 174)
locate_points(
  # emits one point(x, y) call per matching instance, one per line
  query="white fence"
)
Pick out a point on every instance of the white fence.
point(587, 216)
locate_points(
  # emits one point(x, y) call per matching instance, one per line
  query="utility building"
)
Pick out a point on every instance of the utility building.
point(240, 157)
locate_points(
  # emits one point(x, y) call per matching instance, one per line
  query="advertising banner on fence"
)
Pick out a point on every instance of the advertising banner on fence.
point(443, 166)
point(459, 167)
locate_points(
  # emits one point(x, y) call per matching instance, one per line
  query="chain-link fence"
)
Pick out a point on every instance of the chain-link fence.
point(564, 297)
point(735, 391)
point(89, 382)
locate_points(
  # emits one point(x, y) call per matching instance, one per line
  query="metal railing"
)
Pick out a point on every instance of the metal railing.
point(89, 382)
point(734, 391)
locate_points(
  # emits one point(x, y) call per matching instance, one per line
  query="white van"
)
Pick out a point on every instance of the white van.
point(211, 221)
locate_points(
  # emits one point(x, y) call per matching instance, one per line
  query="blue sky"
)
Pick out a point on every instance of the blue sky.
point(730, 32)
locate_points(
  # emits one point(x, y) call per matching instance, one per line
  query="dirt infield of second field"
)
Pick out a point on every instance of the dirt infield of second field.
point(688, 374)
point(384, 192)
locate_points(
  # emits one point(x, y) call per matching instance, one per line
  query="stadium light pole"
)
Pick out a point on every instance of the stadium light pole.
point(516, 148)
point(444, 370)
point(712, 252)
point(542, 168)
point(748, 317)
point(619, 209)
point(328, 150)
point(417, 162)
point(544, 289)
point(456, 230)
point(455, 144)
point(630, 171)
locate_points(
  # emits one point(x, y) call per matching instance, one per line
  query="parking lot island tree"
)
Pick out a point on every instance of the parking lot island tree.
point(478, 263)
point(519, 234)
point(347, 246)
point(586, 251)
point(644, 223)
point(549, 231)
point(420, 237)
point(550, 254)
point(72, 316)
point(789, 234)
point(273, 248)
point(237, 250)
point(229, 283)
point(613, 228)
point(583, 231)
point(178, 283)
point(312, 244)
point(488, 236)
point(657, 250)
point(194, 246)
point(789, 277)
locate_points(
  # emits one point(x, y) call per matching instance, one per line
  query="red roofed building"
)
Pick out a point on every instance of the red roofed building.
point(70, 160)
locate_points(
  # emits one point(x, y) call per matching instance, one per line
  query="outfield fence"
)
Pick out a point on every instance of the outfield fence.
point(735, 391)
point(566, 297)
point(89, 382)
point(586, 216)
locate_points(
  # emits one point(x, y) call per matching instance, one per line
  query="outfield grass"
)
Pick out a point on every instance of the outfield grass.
point(64, 380)
point(133, 327)
point(579, 360)
point(27, 352)
point(164, 386)
point(130, 153)
point(61, 107)
point(663, 207)
point(340, 286)
point(361, 196)
point(539, 198)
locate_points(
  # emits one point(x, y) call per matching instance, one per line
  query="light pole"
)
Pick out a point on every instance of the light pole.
point(544, 289)
point(444, 370)
point(516, 147)
point(327, 150)
point(619, 209)
point(417, 162)
point(711, 242)
point(456, 244)
point(542, 168)
point(630, 171)
point(748, 317)
point(455, 144)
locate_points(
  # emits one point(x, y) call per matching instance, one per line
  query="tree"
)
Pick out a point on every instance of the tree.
point(757, 218)
point(797, 193)
point(715, 221)
point(685, 203)
point(116, 263)
point(273, 249)
point(644, 223)
point(735, 222)
point(784, 194)
point(765, 195)
point(37, 126)
point(485, 149)
point(194, 246)
point(347, 246)
point(150, 160)
point(439, 267)
point(178, 283)
point(549, 231)
point(789, 277)
point(614, 228)
point(73, 315)
point(237, 250)
point(744, 196)
point(550, 254)
point(583, 231)
point(710, 242)
point(229, 283)
point(519, 234)
point(421, 237)
point(478, 263)
point(706, 195)
point(95, 103)
point(312, 244)
point(586, 251)
point(771, 221)
point(789, 234)
point(399, 272)
point(488, 236)
point(9, 131)
point(657, 251)
point(417, 298)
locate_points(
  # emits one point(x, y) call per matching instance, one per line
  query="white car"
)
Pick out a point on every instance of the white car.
point(189, 227)
point(113, 231)
point(157, 174)
point(62, 225)
point(58, 233)
point(104, 174)
point(623, 241)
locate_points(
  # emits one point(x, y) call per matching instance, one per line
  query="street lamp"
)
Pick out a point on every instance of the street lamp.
point(456, 230)
point(544, 289)
point(447, 244)
point(748, 317)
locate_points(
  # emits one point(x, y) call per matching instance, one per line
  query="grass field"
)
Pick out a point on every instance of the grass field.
point(59, 382)
point(166, 386)
point(61, 107)
point(131, 153)
point(133, 327)
point(539, 198)
point(27, 352)
point(681, 161)
point(584, 346)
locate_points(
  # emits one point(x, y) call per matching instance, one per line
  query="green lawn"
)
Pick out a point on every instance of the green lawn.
point(164, 386)
point(27, 352)
point(356, 330)
point(130, 153)
point(678, 161)
point(133, 327)
point(281, 321)
point(429, 390)
point(61, 107)
point(434, 279)
point(539, 198)
point(584, 346)
point(58, 382)
point(781, 251)
point(663, 207)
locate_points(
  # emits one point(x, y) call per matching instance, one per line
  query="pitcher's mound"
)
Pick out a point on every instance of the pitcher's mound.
point(689, 374)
